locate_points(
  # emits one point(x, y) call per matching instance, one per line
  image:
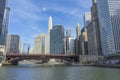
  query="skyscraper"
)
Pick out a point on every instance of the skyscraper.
point(93, 31)
point(49, 24)
point(78, 31)
point(69, 47)
point(83, 42)
point(57, 40)
point(5, 25)
point(13, 45)
point(91, 39)
point(87, 18)
point(26, 48)
point(2, 11)
point(68, 32)
point(41, 44)
point(94, 14)
point(4, 20)
point(114, 12)
point(77, 40)
point(105, 11)
point(49, 29)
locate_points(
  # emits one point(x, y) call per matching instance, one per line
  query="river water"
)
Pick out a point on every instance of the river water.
point(58, 73)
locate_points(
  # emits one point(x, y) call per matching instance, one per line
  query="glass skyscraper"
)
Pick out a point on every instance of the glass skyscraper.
point(57, 40)
point(114, 11)
point(4, 20)
point(43, 44)
point(106, 32)
point(26, 48)
point(109, 21)
point(2, 11)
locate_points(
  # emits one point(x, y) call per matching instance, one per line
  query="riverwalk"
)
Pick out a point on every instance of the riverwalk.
point(107, 65)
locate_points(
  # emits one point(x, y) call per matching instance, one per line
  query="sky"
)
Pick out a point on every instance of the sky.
point(29, 18)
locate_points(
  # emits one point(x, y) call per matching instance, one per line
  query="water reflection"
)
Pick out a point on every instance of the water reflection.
point(58, 73)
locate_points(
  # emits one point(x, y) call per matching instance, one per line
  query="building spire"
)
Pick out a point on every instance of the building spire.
point(78, 31)
point(49, 24)
point(94, 1)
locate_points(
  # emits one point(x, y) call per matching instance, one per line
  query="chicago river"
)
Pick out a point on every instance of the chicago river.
point(58, 73)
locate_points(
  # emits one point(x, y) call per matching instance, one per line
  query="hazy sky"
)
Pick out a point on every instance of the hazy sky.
point(29, 18)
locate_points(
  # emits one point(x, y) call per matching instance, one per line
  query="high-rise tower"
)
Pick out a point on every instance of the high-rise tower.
point(77, 43)
point(87, 18)
point(2, 11)
point(41, 44)
point(78, 31)
point(49, 28)
point(114, 12)
point(109, 22)
point(4, 20)
point(68, 33)
point(57, 40)
point(49, 24)
point(13, 44)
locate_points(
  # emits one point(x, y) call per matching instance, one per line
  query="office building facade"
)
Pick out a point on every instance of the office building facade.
point(114, 12)
point(41, 44)
point(70, 45)
point(91, 39)
point(77, 40)
point(93, 31)
point(57, 40)
point(13, 45)
point(4, 21)
point(69, 41)
point(87, 18)
point(26, 48)
point(107, 32)
point(83, 42)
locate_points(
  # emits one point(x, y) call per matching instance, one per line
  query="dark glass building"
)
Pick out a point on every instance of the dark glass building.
point(4, 20)
point(105, 25)
point(57, 40)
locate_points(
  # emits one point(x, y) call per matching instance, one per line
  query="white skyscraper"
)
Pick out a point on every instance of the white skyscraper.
point(78, 31)
point(49, 28)
point(41, 44)
point(49, 24)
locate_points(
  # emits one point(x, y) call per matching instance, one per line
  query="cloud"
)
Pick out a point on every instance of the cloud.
point(26, 10)
point(71, 7)
point(36, 29)
point(30, 15)
point(25, 14)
